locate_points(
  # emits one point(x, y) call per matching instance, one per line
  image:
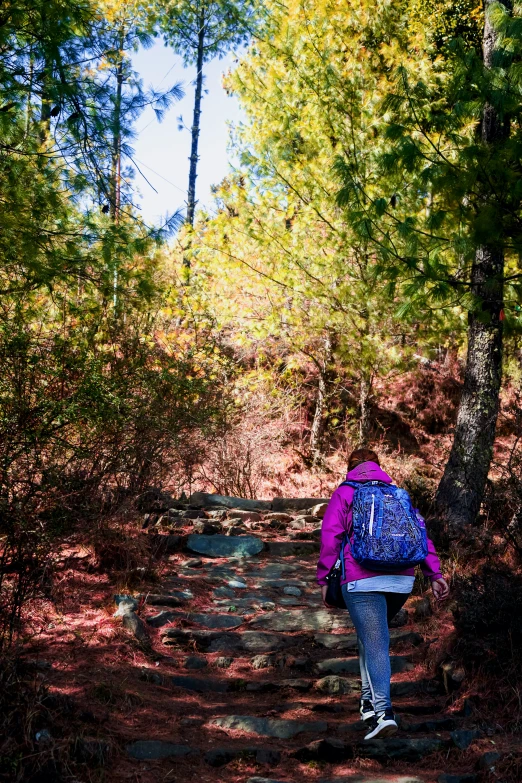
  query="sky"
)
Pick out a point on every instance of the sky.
point(162, 151)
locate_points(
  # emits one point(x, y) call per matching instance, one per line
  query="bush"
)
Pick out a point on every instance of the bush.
point(88, 419)
point(488, 620)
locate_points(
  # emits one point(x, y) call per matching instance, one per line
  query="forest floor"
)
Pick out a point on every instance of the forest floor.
point(239, 674)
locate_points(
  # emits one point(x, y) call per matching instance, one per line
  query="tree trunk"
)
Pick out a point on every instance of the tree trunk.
point(317, 430)
point(115, 184)
point(191, 195)
point(461, 489)
point(364, 410)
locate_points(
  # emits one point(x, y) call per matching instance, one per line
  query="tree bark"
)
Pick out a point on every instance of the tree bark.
point(460, 492)
point(115, 184)
point(364, 410)
point(317, 430)
point(191, 195)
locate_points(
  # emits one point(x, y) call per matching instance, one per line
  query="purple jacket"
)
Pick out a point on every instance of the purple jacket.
point(338, 519)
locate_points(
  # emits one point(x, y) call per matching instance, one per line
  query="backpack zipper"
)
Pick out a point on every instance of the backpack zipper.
point(371, 515)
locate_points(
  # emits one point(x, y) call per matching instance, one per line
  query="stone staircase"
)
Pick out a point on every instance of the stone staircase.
point(261, 680)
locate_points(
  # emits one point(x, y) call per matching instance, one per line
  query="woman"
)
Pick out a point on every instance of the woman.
point(372, 598)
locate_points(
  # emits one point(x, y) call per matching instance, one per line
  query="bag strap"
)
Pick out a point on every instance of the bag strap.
point(344, 542)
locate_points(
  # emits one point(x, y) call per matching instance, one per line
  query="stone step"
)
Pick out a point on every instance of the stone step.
point(268, 727)
point(349, 641)
point(224, 546)
point(399, 664)
point(334, 751)
point(157, 749)
point(213, 641)
point(208, 620)
point(303, 620)
point(292, 548)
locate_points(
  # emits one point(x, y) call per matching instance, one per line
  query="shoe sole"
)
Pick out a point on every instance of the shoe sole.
point(387, 730)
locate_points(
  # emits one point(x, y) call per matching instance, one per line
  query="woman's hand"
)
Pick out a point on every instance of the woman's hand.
point(440, 589)
point(324, 589)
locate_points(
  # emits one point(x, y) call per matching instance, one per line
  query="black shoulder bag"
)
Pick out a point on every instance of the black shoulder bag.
point(334, 595)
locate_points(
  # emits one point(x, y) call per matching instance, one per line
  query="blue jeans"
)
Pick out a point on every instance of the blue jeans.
point(371, 613)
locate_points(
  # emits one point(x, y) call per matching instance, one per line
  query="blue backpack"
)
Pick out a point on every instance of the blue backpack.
point(387, 534)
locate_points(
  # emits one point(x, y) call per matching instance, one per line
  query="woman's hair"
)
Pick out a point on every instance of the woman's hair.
point(359, 456)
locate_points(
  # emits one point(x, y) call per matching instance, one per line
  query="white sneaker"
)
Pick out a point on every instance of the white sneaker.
point(382, 725)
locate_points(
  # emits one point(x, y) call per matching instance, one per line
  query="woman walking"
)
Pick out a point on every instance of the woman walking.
point(372, 597)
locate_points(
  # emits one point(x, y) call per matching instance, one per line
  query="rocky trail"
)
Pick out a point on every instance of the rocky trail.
point(240, 674)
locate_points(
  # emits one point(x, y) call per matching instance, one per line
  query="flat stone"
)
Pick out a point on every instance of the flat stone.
point(329, 750)
point(203, 527)
point(298, 524)
point(319, 510)
point(224, 662)
point(162, 618)
point(302, 620)
point(349, 641)
point(412, 688)
point(131, 622)
point(280, 583)
point(262, 662)
point(463, 738)
point(297, 684)
point(292, 590)
point(292, 548)
point(273, 570)
point(278, 516)
point(400, 749)
point(125, 604)
point(245, 516)
point(262, 687)
point(268, 727)
point(225, 546)
point(334, 685)
point(194, 513)
point(255, 641)
point(223, 592)
point(296, 504)
point(156, 749)
point(429, 726)
point(207, 685)
point(236, 584)
point(247, 603)
point(226, 643)
point(195, 662)
point(288, 600)
point(185, 637)
point(206, 499)
point(400, 619)
point(488, 760)
point(351, 665)
point(257, 779)
point(268, 756)
point(216, 620)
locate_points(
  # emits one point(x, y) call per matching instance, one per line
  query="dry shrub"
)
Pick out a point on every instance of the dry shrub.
point(429, 397)
point(243, 451)
point(124, 553)
point(489, 617)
